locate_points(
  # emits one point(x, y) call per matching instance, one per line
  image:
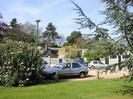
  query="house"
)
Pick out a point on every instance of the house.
point(52, 56)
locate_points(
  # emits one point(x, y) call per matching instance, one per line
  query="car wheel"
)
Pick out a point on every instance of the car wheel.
point(82, 75)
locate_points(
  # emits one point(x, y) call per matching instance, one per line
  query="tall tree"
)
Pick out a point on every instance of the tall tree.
point(14, 24)
point(77, 38)
point(118, 14)
point(50, 35)
point(15, 32)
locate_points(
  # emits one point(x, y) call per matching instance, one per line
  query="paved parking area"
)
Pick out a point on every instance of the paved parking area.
point(92, 75)
point(102, 75)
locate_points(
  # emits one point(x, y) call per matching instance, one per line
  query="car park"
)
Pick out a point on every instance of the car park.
point(66, 69)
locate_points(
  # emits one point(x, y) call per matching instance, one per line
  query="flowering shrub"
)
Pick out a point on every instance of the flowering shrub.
point(19, 63)
point(69, 52)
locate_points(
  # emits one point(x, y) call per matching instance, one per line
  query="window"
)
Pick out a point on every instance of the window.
point(45, 62)
point(68, 65)
point(95, 62)
point(113, 56)
point(75, 65)
point(101, 63)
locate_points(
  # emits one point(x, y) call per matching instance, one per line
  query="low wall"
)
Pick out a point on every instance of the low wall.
point(51, 61)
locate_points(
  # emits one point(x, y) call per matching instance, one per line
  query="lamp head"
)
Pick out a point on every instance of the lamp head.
point(37, 21)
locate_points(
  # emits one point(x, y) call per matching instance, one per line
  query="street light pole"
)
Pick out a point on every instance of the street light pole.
point(37, 21)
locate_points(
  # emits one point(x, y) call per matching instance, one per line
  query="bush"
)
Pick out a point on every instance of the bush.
point(70, 52)
point(89, 56)
point(19, 63)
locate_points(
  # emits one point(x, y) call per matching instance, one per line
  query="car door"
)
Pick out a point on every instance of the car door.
point(99, 64)
point(102, 64)
point(75, 69)
point(66, 70)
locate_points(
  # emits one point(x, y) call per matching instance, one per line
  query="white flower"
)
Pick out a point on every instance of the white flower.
point(10, 67)
point(27, 79)
point(28, 68)
point(5, 76)
point(21, 63)
point(33, 68)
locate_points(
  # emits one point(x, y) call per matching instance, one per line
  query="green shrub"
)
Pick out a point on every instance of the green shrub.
point(19, 63)
point(89, 55)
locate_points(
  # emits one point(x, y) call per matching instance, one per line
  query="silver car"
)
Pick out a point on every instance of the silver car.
point(97, 64)
point(66, 69)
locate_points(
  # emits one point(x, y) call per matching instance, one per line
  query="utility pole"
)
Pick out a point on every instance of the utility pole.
point(37, 30)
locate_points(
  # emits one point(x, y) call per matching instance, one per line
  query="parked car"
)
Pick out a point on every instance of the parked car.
point(96, 64)
point(45, 65)
point(66, 69)
point(81, 60)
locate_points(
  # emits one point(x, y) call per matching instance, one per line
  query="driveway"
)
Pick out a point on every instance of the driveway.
point(92, 75)
point(102, 75)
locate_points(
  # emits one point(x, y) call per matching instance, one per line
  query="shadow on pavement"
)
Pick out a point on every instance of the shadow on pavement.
point(63, 79)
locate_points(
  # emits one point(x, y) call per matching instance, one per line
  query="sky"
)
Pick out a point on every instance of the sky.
point(60, 12)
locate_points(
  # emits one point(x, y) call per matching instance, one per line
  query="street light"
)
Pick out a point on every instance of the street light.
point(37, 21)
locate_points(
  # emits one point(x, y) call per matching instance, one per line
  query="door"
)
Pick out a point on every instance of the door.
point(66, 70)
point(76, 68)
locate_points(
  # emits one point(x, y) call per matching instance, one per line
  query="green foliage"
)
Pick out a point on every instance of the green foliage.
point(73, 37)
point(14, 23)
point(69, 52)
point(72, 55)
point(19, 36)
point(50, 35)
point(99, 48)
point(119, 16)
point(20, 32)
point(89, 55)
point(50, 31)
point(19, 63)
point(76, 38)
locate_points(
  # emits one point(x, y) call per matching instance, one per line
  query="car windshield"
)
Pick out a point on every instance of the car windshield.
point(44, 62)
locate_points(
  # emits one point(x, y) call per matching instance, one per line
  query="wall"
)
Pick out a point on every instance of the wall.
point(51, 61)
point(113, 60)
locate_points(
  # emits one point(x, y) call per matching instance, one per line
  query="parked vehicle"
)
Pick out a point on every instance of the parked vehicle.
point(66, 69)
point(96, 64)
point(45, 65)
point(81, 60)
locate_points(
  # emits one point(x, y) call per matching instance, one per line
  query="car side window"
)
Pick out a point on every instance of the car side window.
point(68, 65)
point(75, 65)
point(95, 62)
point(100, 63)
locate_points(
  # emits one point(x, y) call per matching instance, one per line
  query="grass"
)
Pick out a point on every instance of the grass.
point(95, 89)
